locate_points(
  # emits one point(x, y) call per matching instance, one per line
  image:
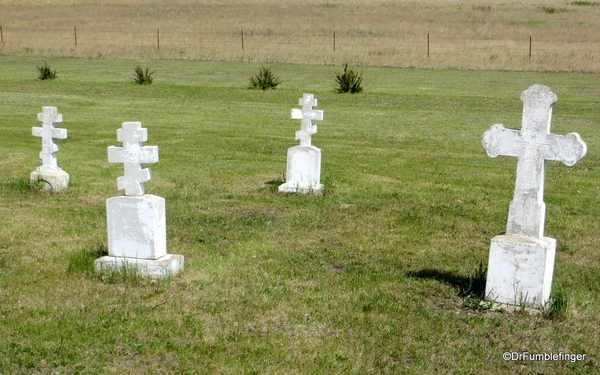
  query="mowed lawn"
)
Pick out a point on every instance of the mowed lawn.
point(366, 279)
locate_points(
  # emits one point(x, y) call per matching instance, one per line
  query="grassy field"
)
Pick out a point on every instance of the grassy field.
point(367, 279)
point(438, 34)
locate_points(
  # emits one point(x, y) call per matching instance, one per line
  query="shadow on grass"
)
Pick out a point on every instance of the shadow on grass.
point(82, 261)
point(326, 181)
point(273, 185)
point(471, 286)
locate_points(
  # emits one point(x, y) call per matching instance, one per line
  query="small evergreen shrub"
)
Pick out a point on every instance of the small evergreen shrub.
point(46, 72)
point(349, 81)
point(142, 77)
point(551, 10)
point(264, 80)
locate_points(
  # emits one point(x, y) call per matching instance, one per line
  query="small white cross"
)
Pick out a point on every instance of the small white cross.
point(49, 133)
point(533, 144)
point(306, 114)
point(132, 154)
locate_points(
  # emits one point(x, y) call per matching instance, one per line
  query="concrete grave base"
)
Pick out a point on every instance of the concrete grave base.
point(137, 226)
point(520, 270)
point(161, 268)
point(289, 188)
point(55, 180)
point(502, 307)
point(303, 170)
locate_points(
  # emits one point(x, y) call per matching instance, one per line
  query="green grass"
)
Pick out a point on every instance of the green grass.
point(371, 277)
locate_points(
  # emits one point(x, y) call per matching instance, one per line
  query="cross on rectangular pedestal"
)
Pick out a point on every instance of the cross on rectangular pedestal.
point(306, 114)
point(132, 154)
point(49, 133)
point(533, 144)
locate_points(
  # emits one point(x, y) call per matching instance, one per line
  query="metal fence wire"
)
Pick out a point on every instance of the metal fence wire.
point(387, 49)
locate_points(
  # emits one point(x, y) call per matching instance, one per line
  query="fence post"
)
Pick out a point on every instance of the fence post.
point(75, 34)
point(242, 40)
point(1, 35)
point(428, 45)
point(530, 47)
point(334, 41)
point(158, 39)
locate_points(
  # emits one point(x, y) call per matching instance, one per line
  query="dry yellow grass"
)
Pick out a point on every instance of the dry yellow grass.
point(460, 34)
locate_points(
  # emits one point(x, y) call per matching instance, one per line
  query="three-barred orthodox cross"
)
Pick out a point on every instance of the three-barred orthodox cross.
point(132, 154)
point(307, 114)
point(49, 133)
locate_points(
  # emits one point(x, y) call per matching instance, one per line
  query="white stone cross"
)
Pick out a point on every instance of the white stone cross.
point(306, 114)
point(49, 133)
point(533, 144)
point(132, 154)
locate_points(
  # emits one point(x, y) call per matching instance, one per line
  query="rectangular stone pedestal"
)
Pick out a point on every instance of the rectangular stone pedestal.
point(161, 268)
point(54, 180)
point(137, 226)
point(520, 270)
point(303, 170)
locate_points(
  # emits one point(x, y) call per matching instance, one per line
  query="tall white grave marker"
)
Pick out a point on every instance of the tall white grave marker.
point(304, 161)
point(57, 179)
point(137, 231)
point(521, 262)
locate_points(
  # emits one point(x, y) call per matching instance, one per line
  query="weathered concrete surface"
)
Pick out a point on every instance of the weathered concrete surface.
point(520, 270)
point(521, 263)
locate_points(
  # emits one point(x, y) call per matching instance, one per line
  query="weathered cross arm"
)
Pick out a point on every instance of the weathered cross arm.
point(133, 180)
point(58, 133)
point(568, 148)
point(49, 115)
point(49, 146)
point(498, 140)
point(133, 154)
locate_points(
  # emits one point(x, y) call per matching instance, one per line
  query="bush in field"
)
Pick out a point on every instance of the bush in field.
point(349, 81)
point(46, 72)
point(142, 77)
point(264, 80)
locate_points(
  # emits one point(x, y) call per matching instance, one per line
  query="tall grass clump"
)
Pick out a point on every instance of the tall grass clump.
point(558, 306)
point(46, 72)
point(472, 288)
point(82, 261)
point(142, 77)
point(24, 185)
point(474, 284)
point(264, 79)
point(349, 81)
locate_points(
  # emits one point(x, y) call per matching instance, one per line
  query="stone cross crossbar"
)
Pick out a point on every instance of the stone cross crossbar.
point(307, 114)
point(132, 154)
point(49, 133)
point(533, 144)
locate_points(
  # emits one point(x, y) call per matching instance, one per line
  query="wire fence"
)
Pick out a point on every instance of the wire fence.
point(355, 47)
